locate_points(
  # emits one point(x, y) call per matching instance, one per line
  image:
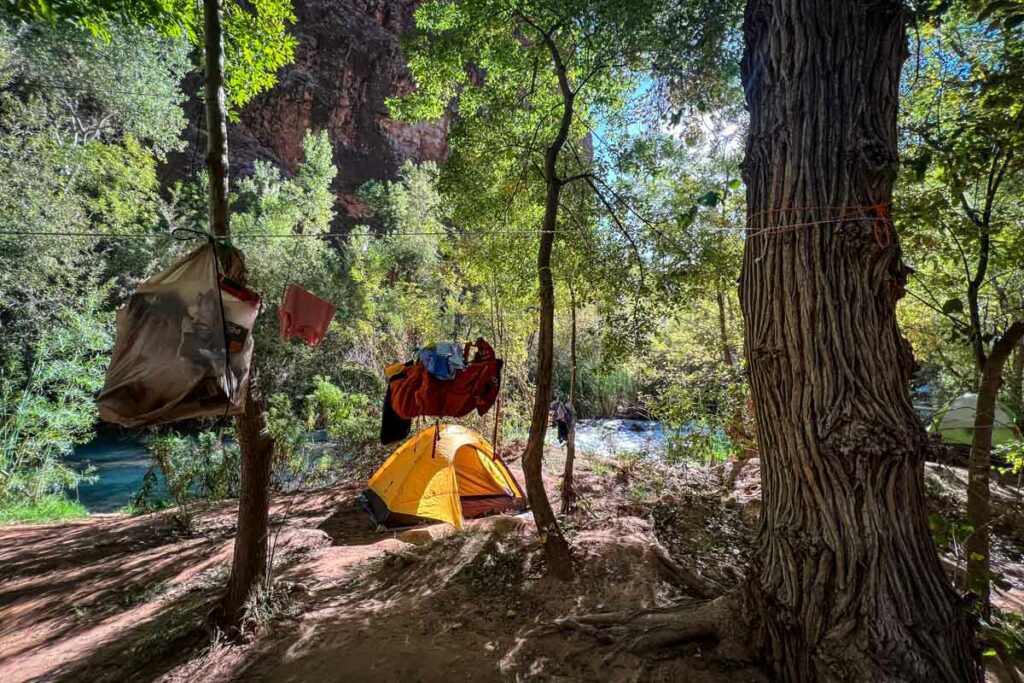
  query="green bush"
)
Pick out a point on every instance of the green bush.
point(46, 406)
point(351, 421)
point(706, 401)
point(1012, 454)
point(195, 467)
point(46, 509)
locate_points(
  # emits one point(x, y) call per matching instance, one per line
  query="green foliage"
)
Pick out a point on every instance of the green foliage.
point(44, 510)
point(958, 200)
point(351, 421)
point(46, 404)
point(144, 500)
point(195, 467)
point(949, 534)
point(95, 90)
point(75, 160)
point(1012, 454)
point(501, 63)
point(289, 435)
point(1008, 629)
point(408, 264)
point(256, 42)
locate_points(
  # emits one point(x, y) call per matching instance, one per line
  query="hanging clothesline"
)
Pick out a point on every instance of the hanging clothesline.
point(253, 236)
point(751, 232)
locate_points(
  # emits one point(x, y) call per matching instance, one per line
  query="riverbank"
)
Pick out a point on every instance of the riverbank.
point(120, 460)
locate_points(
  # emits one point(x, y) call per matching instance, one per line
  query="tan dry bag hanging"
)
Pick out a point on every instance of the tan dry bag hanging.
point(171, 361)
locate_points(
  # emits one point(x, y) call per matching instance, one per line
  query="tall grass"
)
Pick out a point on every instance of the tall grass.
point(47, 509)
point(602, 390)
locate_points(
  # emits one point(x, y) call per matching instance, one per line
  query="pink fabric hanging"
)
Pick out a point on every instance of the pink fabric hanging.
point(304, 315)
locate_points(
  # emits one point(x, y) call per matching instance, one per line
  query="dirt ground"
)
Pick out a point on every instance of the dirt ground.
point(115, 598)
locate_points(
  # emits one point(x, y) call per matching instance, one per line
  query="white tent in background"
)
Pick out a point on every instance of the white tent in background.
point(955, 422)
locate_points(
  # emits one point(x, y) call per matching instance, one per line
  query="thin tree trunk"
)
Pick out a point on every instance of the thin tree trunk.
point(980, 465)
point(555, 546)
point(846, 584)
point(249, 564)
point(568, 486)
point(249, 561)
point(722, 332)
point(1016, 382)
point(216, 118)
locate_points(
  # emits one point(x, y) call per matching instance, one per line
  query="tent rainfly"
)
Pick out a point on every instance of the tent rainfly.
point(459, 477)
point(955, 422)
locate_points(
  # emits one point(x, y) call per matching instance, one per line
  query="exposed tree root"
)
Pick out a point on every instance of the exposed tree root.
point(650, 630)
point(681, 576)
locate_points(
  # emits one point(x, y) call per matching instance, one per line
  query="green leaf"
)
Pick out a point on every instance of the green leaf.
point(953, 306)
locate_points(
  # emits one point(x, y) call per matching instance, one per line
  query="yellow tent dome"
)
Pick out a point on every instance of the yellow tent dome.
point(457, 477)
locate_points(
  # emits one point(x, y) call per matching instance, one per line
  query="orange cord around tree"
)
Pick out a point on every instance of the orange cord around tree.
point(881, 222)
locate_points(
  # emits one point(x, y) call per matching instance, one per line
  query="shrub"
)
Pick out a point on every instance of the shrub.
point(46, 406)
point(195, 467)
point(351, 422)
point(46, 509)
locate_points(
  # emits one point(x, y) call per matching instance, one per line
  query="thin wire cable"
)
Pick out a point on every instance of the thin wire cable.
point(253, 236)
point(104, 91)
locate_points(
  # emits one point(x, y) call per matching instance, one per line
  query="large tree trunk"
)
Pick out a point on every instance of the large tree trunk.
point(980, 465)
point(249, 564)
point(846, 584)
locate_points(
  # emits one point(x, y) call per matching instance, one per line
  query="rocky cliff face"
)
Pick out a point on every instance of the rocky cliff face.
point(346, 64)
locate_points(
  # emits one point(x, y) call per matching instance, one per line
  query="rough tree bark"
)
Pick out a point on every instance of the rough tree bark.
point(568, 487)
point(978, 509)
point(556, 548)
point(846, 584)
point(249, 563)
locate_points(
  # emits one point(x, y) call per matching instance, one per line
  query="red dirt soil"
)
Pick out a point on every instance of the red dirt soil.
point(115, 598)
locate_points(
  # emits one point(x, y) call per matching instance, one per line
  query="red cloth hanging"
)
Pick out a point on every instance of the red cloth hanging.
point(304, 315)
point(415, 392)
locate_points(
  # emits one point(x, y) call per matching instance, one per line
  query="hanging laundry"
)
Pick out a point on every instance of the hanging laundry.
point(183, 346)
point(304, 315)
point(443, 360)
point(393, 427)
point(413, 391)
